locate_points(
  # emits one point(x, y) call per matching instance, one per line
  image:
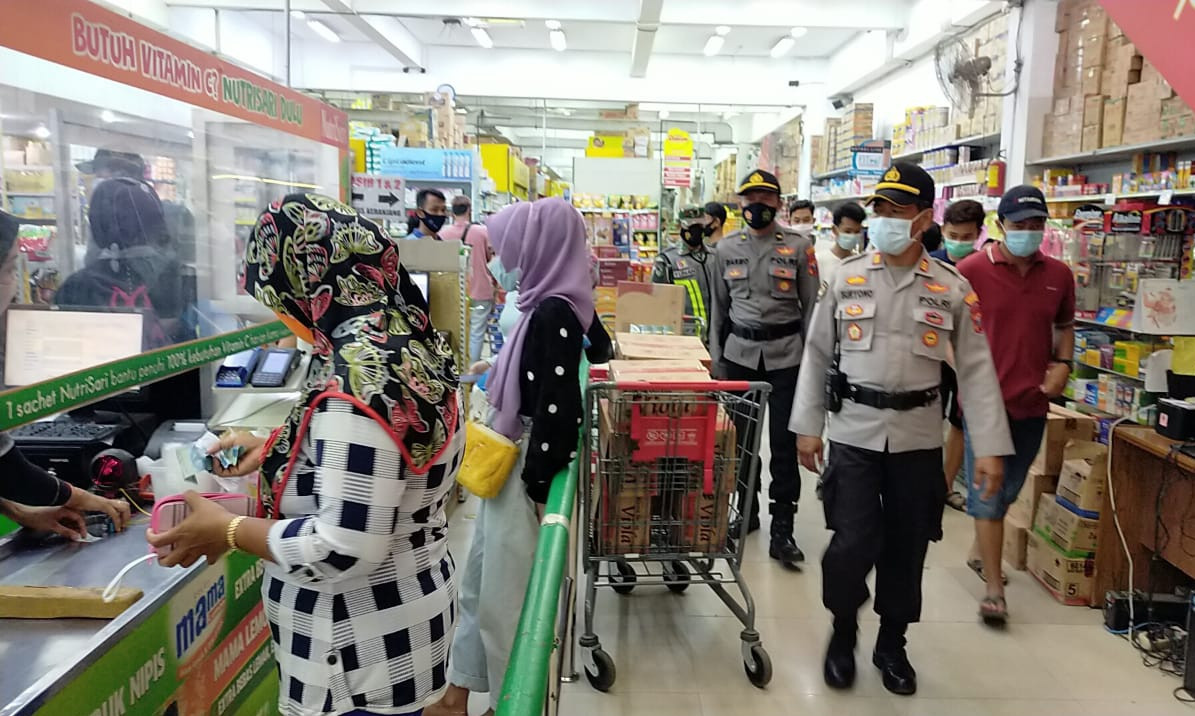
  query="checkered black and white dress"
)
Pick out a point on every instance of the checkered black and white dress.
point(361, 595)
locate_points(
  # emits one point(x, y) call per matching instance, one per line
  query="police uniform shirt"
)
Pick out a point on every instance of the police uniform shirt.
point(894, 334)
point(760, 282)
point(691, 269)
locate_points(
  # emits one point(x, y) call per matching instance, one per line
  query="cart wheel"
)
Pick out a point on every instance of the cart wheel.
point(625, 581)
point(676, 576)
point(604, 678)
point(759, 670)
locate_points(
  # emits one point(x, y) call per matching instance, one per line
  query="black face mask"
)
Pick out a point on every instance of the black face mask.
point(692, 235)
point(759, 215)
point(435, 222)
point(707, 230)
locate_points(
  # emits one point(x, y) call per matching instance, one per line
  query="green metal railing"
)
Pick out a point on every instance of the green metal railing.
point(525, 686)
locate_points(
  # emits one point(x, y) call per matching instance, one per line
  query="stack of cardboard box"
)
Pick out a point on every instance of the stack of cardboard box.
point(856, 126)
point(1062, 425)
point(817, 154)
point(1062, 546)
point(989, 40)
point(726, 179)
point(637, 489)
point(1105, 93)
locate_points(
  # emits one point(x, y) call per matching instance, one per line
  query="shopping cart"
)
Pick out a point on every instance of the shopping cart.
point(658, 491)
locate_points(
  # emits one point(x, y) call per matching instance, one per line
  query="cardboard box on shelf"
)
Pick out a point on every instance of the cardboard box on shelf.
point(1091, 138)
point(635, 346)
point(1024, 508)
point(1069, 579)
point(1062, 426)
point(1084, 476)
point(1093, 111)
point(1016, 542)
point(1113, 132)
point(1092, 78)
point(650, 308)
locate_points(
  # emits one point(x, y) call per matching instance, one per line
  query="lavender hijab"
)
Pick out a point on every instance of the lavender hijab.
point(545, 241)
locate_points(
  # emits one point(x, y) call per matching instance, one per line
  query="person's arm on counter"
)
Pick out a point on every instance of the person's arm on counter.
point(27, 484)
point(59, 520)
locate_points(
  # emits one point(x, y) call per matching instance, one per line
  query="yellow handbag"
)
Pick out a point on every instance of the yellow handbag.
point(488, 461)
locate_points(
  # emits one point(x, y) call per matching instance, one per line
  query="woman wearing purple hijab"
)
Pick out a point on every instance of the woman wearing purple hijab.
point(535, 391)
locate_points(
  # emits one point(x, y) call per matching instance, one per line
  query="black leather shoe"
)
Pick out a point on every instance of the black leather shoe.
point(898, 673)
point(839, 669)
point(784, 548)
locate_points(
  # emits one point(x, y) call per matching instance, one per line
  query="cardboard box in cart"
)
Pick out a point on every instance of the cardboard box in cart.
point(637, 346)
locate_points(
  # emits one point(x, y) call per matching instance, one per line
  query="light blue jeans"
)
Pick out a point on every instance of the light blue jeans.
point(479, 320)
point(492, 587)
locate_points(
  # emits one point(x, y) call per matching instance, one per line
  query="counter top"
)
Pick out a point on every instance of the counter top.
point(38, 655)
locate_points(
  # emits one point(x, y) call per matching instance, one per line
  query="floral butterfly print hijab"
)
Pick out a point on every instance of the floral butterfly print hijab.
point(317, 261)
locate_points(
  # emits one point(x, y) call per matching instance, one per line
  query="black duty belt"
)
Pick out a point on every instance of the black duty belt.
point(767, 333)
point(905, 400)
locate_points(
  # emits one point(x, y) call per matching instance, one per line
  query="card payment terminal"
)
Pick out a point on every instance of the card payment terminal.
point(275, 366)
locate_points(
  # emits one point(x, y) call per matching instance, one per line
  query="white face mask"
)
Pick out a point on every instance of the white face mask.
point(890, 235)
point(507, 280)
point(849, 242)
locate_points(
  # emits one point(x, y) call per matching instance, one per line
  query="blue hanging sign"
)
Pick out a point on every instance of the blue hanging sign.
point(417, 164)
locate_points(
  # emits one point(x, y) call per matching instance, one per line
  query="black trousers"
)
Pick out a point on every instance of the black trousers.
point(884, 509)
point(785, 488)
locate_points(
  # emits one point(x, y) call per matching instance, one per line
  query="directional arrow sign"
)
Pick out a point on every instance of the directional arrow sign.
point(379, 197)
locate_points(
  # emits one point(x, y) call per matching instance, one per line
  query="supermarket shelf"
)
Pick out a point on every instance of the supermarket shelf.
point(31, 193)
point(979, 139)
point(1138, 260)
point(1093, 322)
point(1113, 372)
point(1092, 410)
point(619, 211)
point(833, 174)
point(38, 220)
point(846, 197)
point(1099, 198)
point(1112, 154)
point(961, 181)
point(29, 168)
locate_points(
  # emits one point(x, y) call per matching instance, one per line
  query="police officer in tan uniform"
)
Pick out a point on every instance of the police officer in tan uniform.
point(873, 360)
point(765, 286)
point(690, 266)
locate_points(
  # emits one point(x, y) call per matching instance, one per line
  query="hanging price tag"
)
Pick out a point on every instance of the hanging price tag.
point(1109, 199)
point(1166, 196)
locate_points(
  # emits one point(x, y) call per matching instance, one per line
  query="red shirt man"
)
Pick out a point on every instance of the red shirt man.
point(1027, 299)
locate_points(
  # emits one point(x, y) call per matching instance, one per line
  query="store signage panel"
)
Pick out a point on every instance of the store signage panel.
point(871, 158)
point(90, 38)
point(379, 197)
point(427, 165)
point(1161, 31)
point(678, 159)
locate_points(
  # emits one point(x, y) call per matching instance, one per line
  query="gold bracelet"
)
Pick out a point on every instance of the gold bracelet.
point(230, 535)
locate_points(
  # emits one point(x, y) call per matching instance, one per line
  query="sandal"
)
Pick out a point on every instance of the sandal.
point(976, 566)
point(956, 501)
point(994, 611)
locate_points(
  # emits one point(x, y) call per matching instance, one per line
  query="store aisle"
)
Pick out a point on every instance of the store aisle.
point(679, 654)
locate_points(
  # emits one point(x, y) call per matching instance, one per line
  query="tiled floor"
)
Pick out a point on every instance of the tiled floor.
point(679, 654)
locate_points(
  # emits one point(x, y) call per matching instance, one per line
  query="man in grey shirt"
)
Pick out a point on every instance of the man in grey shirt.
point(764, 287)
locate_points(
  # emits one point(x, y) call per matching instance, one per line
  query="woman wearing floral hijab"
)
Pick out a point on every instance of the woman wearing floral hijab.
point(359, 586)
point(535, 391)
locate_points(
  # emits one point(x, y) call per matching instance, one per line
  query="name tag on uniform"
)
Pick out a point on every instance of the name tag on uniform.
point(934, 302)
point(736, 261)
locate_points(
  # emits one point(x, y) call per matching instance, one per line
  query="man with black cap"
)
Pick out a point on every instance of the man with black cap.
point(873, 360)
point(689, 266)
point(714, 222)
point(1029, 315)
point(765, 286)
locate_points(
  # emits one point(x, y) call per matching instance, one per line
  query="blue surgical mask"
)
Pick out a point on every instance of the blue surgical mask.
point(849, 242)
point(1023, 242)
point(890, 235)
point(507, 280)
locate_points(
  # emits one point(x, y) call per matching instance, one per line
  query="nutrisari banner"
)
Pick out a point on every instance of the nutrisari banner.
point(87, 37)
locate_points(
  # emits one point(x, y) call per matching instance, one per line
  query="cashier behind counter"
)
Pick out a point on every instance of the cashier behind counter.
point(29, 495)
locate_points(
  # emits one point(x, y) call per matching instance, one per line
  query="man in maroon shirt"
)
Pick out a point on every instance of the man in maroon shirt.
point(1028, 302)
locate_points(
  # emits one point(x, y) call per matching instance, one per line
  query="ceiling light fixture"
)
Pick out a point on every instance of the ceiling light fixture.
point(323, 31)
point(108, 116)
point(713, 45)
point(782, 46)
point(41, 131)
point(553, 25)
point(722, 30)
point(799, 32)
point(482, 37)
point(556, 37)
point(664, 114)
point(298, 14)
